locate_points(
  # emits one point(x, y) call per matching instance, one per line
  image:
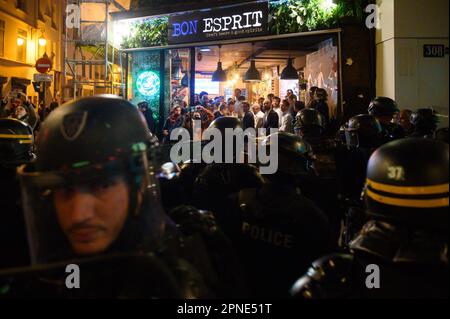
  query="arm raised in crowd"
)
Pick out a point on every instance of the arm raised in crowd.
point(32, 121)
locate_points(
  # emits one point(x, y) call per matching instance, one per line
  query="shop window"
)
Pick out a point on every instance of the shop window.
point(179, 76)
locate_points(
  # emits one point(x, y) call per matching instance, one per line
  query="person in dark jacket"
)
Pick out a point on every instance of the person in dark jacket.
point(148, 114)
point(249, 119)
point(271, 120)
point(320, 104)
point(173, 121)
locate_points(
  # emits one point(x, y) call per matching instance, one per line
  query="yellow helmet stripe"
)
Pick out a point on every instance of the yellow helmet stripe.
point(26, 142)
point(413, 203)
point(13, 136)
point(409, 190)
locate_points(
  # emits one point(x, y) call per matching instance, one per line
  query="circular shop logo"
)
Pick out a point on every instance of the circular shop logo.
point(148, 83)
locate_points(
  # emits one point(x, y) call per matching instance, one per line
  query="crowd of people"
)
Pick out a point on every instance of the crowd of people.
point(17, 105)
point(266, 113)
point(271, 112)
point(94, 192)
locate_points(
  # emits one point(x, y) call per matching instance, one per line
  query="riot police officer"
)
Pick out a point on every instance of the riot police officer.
point(402, 251)
point(92, 192)
point(16, 148)
point(309, 123)
point(326, 156)
point(363, 135)
point(384, 109)
point(219, 180)
point(425, 123)
point(278, 229)
point(310, 126)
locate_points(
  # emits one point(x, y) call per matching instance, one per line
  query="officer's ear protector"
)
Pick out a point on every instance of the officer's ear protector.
point(351, 138)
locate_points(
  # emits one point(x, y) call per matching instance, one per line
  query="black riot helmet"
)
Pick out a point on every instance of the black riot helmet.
point(383, 107)
point(226, 125)
point(86, 149)
point(143, 105)
point(363, 131)
point(309, 122)
point(226, 122)
point(425, 121)
point(16, 143)
point(294, 153)
point(407, 183)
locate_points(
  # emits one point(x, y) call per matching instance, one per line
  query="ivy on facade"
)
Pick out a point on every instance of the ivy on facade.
point(286, 16)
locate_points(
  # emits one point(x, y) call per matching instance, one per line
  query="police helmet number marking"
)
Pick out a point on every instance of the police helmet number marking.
point(396, 173)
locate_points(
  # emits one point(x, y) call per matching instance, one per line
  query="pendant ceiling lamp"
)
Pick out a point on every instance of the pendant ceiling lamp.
point(289, 72)
point(252, 74)
point(219, 75)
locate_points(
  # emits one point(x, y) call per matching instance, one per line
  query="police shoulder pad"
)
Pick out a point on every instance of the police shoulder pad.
point(327, 278)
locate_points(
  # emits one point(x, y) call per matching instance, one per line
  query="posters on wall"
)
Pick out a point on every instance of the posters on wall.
point(322, 71)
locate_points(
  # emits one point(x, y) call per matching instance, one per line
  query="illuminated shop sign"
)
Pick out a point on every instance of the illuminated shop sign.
point(148, 83)
point(219, 24)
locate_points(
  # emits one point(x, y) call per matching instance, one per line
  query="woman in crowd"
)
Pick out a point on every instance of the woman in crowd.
point(174, 121)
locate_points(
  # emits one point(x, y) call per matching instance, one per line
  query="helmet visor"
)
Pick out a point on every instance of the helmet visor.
point(83, 212)
point(352, 138)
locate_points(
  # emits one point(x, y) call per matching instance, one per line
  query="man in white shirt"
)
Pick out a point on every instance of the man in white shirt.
point(238, 107)
point(259, 116)
point(286, 118)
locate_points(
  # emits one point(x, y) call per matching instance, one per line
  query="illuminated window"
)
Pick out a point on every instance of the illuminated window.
point(2, 37)
point(22, 46)
point(205, 84)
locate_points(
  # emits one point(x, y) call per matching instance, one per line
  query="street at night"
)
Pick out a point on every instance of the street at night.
point(237, 153)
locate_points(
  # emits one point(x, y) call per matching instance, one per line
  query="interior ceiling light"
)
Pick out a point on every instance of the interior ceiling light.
point(252, 74)
point(289, 72)
point(219, 75)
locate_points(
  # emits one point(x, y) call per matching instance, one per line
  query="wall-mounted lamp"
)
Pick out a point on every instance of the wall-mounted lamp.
point(20, 41)
point(42, 41)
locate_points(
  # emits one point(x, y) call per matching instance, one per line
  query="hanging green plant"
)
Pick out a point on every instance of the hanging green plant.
point(290, 16)
point(147, 33)
point(285, 16)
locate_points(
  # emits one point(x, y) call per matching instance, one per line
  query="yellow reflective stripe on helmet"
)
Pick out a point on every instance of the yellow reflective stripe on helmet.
point(26, 142)
point(409, 190)
point(414, 203)
point(15, 136)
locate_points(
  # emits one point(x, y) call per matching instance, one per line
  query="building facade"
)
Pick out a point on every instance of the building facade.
point(405, 70)
point(28, 30)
